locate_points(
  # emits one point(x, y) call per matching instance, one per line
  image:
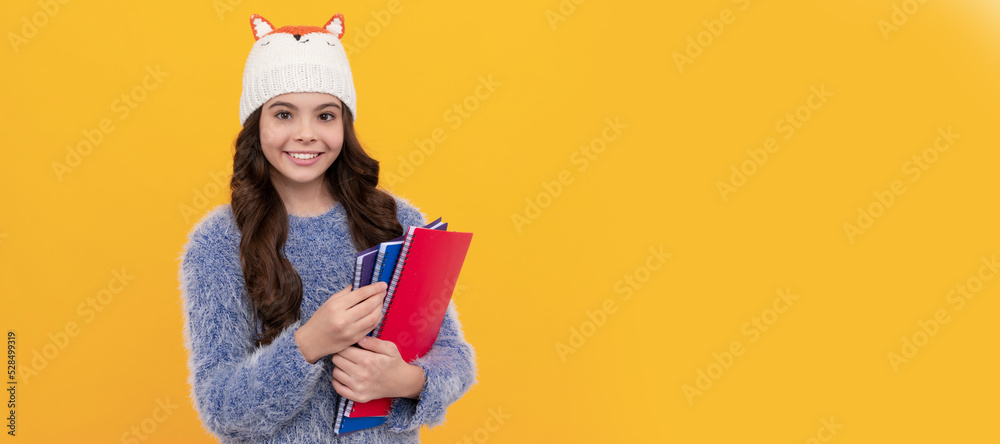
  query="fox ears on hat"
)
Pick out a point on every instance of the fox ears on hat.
point(261, 26)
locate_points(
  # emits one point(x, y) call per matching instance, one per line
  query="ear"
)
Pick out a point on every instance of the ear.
point(336, 25)
point(260, 26)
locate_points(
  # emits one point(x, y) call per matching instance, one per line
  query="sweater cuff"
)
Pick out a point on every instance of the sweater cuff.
point(409, 414)
point(299, 374)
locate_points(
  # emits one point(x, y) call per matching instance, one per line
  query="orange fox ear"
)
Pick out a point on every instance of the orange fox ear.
point(336, 25)
point(260, 26)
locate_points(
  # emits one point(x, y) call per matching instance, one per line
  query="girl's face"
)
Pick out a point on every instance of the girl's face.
point(301, 135)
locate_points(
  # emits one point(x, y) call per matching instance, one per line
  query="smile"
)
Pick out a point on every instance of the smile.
point(303, 159)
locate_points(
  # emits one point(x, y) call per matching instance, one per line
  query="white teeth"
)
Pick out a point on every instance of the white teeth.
point(303, 156)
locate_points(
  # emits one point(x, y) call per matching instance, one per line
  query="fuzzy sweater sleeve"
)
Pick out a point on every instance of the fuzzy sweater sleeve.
point(240, 392)
point(450, 365)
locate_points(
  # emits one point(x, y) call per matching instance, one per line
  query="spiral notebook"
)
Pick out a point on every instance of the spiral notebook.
point(388, 254)
point(375, 264)
point(422, 282)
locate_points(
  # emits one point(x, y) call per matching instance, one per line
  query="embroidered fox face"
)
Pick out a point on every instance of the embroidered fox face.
point(263, 29)
point(296, 59)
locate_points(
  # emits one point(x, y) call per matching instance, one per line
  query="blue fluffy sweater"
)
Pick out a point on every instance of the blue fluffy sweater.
point(272, 394)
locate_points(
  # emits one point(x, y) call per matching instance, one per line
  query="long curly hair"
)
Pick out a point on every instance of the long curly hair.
point(273, 286)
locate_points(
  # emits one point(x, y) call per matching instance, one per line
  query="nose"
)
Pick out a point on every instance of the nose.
point(305, 132)
point(297, 36)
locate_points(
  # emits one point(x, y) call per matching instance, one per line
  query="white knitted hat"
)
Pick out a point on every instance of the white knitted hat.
point(296, 59)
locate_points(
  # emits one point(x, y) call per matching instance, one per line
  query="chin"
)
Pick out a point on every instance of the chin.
point(306, 179)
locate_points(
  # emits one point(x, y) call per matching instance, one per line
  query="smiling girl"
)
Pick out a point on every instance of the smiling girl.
point(270, 318)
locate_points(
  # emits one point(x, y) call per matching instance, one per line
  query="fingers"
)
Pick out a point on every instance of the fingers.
point(339, 378)
point(347, 391)
point(351, 380)
point(361, 327)
point(372, 306)
point(342, 292)
point(369, 319)
point(379, 346)
point(338, 295)
point(344, 362)
point(354, 297)
point(347, 385)
point(352, 358)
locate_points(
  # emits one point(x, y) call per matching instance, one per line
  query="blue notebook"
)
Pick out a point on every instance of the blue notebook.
point(388, 253)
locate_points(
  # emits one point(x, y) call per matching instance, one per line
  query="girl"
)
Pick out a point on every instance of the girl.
point(269, 336)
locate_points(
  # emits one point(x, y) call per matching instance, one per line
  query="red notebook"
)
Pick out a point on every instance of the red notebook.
point(419, 294)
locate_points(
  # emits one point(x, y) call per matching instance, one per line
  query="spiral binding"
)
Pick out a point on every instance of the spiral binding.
point(357, 275)
point(342, 406)
point(340, 417)
point(378, 266)
point(391, 292)
point(347, 411)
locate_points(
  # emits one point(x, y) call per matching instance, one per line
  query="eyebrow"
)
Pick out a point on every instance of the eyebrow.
point(325, 105)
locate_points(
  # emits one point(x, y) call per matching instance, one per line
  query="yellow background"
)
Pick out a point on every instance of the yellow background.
point(526, 287)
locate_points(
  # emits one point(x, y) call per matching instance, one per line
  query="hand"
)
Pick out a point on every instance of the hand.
point(376, 370)
point(342, 320)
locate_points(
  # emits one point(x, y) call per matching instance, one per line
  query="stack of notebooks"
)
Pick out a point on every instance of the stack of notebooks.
point(421, 268)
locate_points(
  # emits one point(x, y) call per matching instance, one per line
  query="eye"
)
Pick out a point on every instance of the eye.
point(330, 115)
point(279, 115)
